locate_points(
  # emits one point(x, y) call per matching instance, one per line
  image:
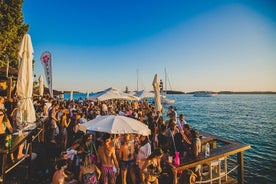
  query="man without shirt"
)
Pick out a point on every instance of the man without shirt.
point(127, 158)
point(108, 160)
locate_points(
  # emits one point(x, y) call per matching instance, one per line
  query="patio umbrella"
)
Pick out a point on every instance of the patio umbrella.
point(41, 87)
point(71, 95)
point(25, 79)
point(116, 124)
point(112, 93)
point(87, 94)
point(157, 100)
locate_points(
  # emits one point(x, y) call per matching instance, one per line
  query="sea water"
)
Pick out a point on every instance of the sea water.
point(249, 119)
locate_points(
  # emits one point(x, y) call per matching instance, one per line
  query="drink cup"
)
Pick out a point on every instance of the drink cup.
point(20, 132)
point(185, 153)
point(170, 159)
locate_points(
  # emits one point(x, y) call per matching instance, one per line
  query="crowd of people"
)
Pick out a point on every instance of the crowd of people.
point(79, 156)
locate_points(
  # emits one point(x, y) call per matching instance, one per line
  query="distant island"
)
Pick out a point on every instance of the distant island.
point(220, 92)
point(224, 92)
point(3, 92)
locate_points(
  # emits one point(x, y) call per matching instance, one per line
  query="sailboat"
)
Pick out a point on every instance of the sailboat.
point(141, 94)
point(164, 99)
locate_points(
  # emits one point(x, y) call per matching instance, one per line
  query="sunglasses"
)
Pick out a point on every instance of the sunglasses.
point(1, 114)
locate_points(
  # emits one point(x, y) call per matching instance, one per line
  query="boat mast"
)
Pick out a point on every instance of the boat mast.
point(137, 82)
point(165, 81)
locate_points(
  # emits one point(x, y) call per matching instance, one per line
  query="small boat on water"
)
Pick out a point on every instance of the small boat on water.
point(205, 94)
point(167, 101)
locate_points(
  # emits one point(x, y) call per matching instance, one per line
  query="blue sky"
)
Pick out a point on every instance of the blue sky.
point(204, 45)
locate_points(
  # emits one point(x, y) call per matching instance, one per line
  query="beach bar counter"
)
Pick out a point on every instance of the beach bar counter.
point(8, 153)
point(219, 166)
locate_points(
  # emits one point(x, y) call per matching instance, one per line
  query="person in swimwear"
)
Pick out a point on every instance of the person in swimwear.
point(59, 175)
point(5, 126)
point(127, 158)
point(89, 173)
point(144, 152)
point(107, 156)
point(152, 167)
point(4, 123)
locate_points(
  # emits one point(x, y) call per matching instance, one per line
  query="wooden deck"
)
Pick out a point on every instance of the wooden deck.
point(227, 148)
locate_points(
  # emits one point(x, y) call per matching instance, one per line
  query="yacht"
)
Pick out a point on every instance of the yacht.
point(164, 99)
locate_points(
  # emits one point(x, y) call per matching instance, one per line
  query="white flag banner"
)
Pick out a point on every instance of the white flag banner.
point(46, 60)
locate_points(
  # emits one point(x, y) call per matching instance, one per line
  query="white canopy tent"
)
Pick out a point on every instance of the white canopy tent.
point(144, 94)
point(112, 93)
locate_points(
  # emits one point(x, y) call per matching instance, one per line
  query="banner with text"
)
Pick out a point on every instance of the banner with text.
point(46, 60)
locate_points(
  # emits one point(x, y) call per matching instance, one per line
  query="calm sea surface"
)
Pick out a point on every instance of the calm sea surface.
point(250, 119)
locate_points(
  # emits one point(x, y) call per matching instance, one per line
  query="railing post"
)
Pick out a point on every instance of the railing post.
point(4, 161)
point(241, 167)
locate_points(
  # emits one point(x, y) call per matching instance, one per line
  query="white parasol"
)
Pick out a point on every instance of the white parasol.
point(144, 94)
point(157, 99)
point(87, 94)
point(25, 79)
point(116, 124)
point(112, 93)
point(71, 95)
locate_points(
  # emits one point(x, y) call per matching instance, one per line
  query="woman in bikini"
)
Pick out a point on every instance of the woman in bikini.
point(5, 126)
point(144, 152)
point(89, 173)
point(152, 167)
point(4, 123)
point(64, 123)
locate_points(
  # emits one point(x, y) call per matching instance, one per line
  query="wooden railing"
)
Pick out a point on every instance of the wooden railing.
point(229, 148)
point(9, 164)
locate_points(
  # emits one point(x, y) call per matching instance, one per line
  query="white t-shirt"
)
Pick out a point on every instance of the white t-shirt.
point(143, 153)
point(47, 107)
point(181, 124)
point(71, 153)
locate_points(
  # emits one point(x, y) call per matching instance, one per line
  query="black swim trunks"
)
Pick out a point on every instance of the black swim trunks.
point(127, 164)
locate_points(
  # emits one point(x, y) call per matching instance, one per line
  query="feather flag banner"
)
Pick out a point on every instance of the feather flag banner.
point(46, 60)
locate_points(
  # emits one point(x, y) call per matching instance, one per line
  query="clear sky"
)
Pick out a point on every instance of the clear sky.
point(203, 44)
